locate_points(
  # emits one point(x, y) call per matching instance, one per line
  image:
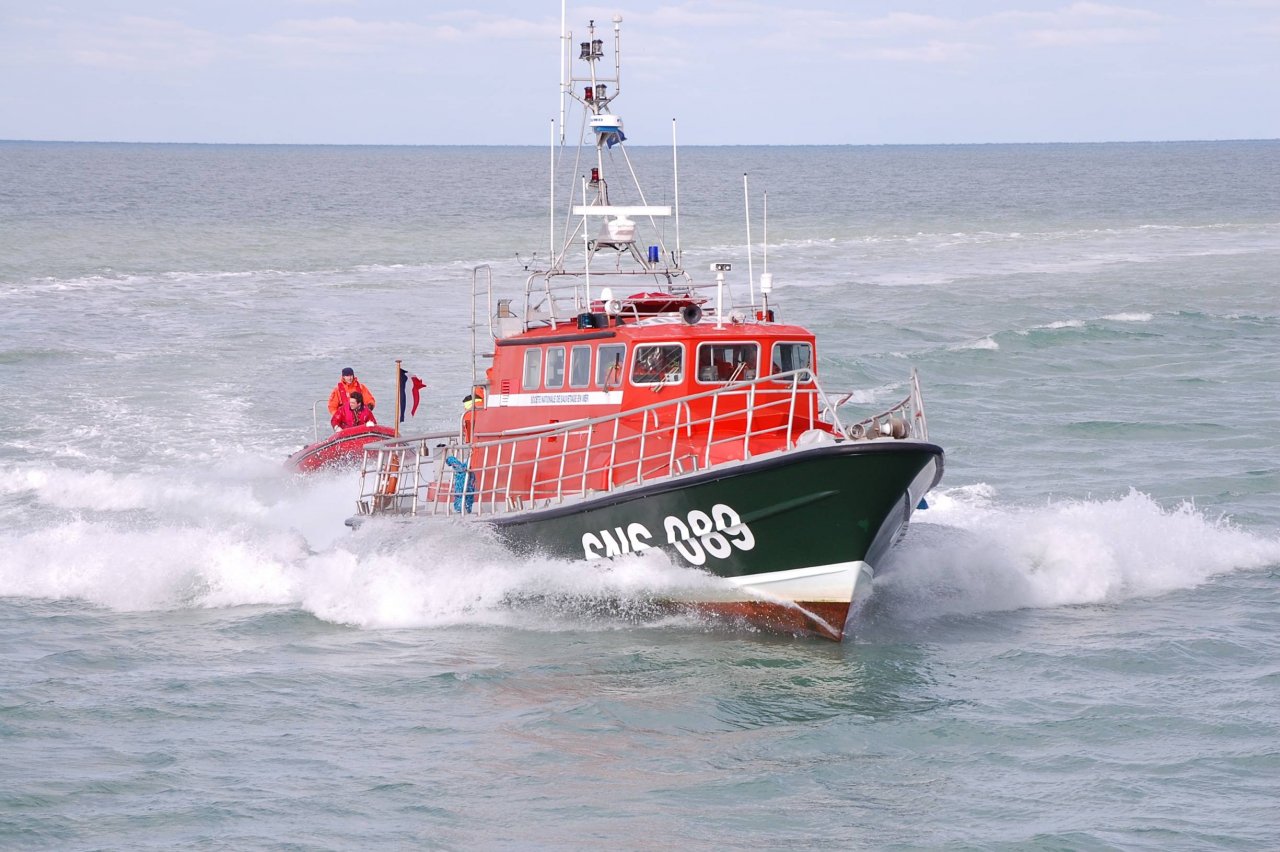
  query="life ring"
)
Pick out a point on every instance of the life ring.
point(391, 485)
point(393, 478)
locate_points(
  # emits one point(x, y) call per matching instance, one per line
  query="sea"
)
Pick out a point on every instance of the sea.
point(1076, 645)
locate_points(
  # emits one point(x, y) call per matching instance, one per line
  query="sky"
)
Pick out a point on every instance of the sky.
point(445, 72)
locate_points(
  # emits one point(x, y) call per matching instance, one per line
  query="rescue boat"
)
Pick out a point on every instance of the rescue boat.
point(620, 406)
point(343, 449)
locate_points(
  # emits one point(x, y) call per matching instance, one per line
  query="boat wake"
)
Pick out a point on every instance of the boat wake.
point(155, 542)
point(158, 542)
point(969, 554)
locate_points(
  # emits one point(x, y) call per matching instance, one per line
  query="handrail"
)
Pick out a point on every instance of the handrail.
point(315, 422)
point(735, 427)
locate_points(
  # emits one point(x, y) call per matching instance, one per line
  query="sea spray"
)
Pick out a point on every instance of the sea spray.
point(968, 553)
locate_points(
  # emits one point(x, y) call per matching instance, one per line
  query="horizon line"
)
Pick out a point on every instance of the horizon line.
point(633, 145)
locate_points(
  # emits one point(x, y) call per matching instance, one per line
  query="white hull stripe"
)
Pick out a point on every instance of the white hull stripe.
point(838, 583)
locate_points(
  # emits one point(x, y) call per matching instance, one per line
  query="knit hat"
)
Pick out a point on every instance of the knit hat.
point(347, 371)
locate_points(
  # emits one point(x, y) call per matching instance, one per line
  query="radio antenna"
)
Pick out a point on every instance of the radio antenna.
point(746, 201)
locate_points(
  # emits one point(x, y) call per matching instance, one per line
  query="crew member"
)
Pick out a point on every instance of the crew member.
point(470, 403)
point(354, 413)
point(348, 385)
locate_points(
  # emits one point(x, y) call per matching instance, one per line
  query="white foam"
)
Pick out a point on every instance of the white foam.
point(145, 569)
point(969, 554)
point(435, 573)
point(142, 542)
point(1129, 317)
point(981, 343)
point(157, 541)
point(99, 490)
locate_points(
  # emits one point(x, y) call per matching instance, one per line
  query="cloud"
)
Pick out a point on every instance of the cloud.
point(1098, 10)
point(141, 44)
point(717, 17)
point(1077, 14)
point(347, 35)
point(1081, 24)
point(342, 35)
point(894, 37)
point(1094, 36)
point(931, 51)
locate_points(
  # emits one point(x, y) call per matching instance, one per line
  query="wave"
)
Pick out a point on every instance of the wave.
point(938, 259)
point(136, 542)
point(145, 542)
point(1059, 330)
point(988, 343)
point(1129, 317)
point(132, 282)
point(968, 554)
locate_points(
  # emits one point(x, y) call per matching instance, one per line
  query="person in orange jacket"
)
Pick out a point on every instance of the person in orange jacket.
point(348, 385)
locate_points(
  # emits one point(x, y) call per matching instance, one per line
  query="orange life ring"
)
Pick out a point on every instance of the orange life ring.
point(393, 479)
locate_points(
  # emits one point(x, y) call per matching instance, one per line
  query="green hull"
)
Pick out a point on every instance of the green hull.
point(804, 508)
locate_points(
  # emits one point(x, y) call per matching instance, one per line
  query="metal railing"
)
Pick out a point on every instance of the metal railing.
point(315, 418)
point(440, 473)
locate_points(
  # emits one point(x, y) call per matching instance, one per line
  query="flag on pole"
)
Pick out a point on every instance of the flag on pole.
point(418, 385)
point(403, 383)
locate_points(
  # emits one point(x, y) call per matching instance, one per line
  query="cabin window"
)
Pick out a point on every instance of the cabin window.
point(793, 356)
point(728, 362)
point(609, 365)
point(555, 367)
point(580, 366)
point(532, 368)
point(661, 363)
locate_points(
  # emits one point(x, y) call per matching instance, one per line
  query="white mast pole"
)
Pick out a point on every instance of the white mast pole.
point(551, 217)
point(617, 54)
point(746, 203)
point(766, 280)
point(675, 176)
point(586, 247)
point(564, 67)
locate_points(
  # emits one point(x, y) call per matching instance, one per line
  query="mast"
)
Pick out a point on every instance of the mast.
point(675, 179)
point(551, 207)
point(609, 233)
point(746, 203)
point(565, 36)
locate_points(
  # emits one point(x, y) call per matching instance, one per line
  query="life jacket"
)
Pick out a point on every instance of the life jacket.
point(339, 395)
point(345, 417)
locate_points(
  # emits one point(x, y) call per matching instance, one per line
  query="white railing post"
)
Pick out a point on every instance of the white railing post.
point(564, 452)
point(919, 405)
point(675, 429)
point(711, 432)
point(511, 466)
point(613, 455)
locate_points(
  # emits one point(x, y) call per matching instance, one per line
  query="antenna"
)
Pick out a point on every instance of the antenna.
point(551, 245)
point(586, 246)
point(564, 66)
point(675, 176)
point(746, 201)
point(766, 280)
point(764, 242)
point(617, 54)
